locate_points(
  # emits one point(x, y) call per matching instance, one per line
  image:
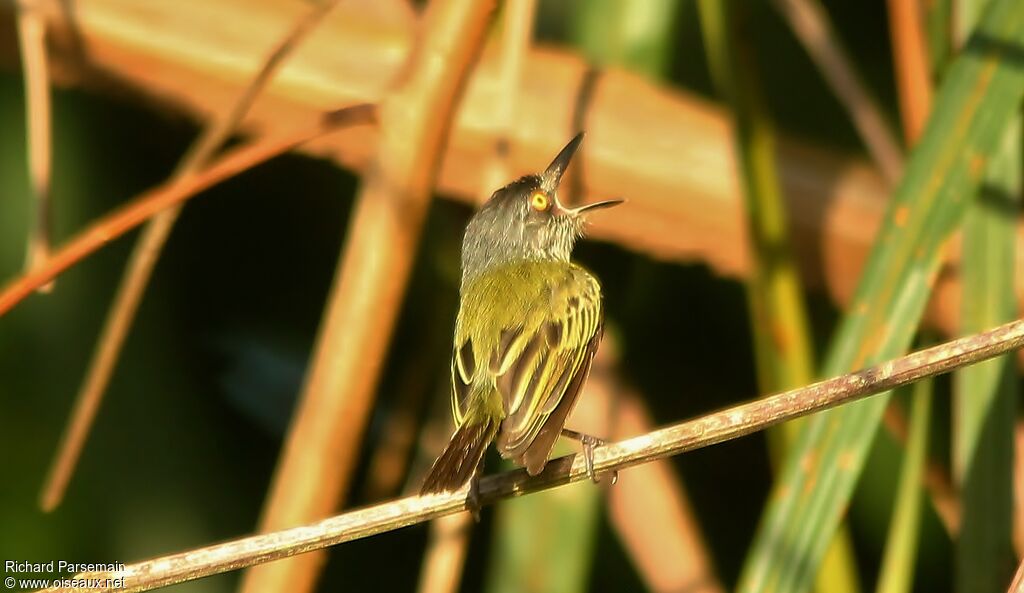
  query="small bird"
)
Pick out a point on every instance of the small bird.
point(528, 326)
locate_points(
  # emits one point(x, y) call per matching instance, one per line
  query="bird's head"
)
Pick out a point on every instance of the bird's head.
point(526, 221)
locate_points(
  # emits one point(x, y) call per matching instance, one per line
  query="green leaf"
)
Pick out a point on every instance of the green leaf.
point(938, 17)
point(897, 573)
point(974, 105)
point(546, 542)
point(984, 394)
point(774, 293)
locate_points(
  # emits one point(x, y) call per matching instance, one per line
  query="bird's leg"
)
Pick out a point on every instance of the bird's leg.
point(473, 502)
point(473, 499)
point(588, 442)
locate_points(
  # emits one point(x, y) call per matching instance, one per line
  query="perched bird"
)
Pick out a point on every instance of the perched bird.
point(528, 327)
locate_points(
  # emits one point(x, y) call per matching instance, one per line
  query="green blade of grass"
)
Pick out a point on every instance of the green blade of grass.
point(937, 27)
point(545, 543)
point(897, 572)
point(964, 15)
point(778, 314)
point(635, 35)
point(974, 105)
point(984, 395)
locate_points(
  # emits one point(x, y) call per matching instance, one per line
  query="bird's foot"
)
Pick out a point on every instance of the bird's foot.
point(473, 500)
point(589, 442)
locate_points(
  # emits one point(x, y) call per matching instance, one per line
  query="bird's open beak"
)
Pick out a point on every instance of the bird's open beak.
point(552, 176)
point(595, 206)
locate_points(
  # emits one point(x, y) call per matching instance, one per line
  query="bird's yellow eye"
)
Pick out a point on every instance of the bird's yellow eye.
point(539, 201)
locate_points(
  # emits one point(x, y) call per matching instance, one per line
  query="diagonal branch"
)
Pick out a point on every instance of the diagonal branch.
point(674, 439)
point(446, 552)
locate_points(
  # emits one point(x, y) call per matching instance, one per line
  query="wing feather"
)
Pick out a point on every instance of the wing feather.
point(563, 347)
point(461, 382)
point(535, 456)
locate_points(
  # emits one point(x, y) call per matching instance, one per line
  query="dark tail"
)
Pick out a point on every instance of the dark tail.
point(461, 457)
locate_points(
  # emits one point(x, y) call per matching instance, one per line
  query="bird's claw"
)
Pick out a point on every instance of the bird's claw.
point(589, 442)
point(473, 502)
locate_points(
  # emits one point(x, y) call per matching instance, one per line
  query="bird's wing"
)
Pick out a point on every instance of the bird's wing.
point(537, 364)
point(540, 370)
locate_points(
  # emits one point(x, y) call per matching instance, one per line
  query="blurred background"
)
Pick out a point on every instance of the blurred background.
point(704, 117)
